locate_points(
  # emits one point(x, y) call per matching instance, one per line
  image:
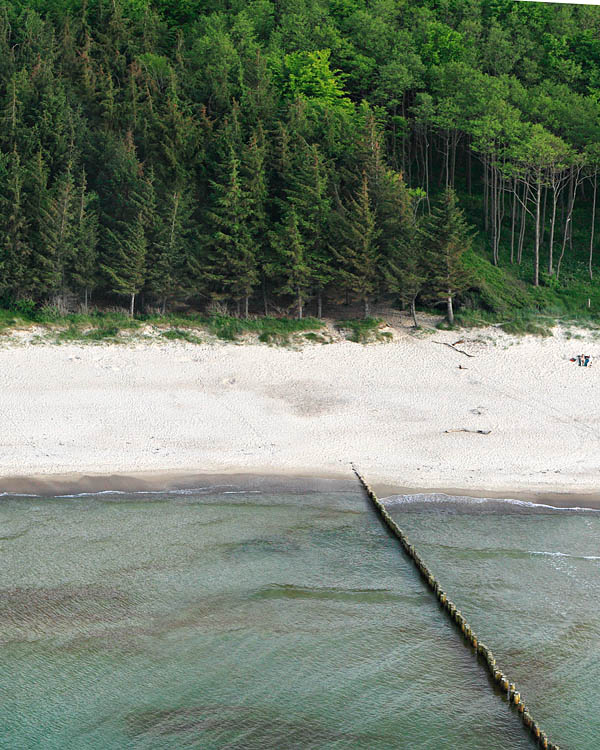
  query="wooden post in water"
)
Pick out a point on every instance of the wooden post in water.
point(487, 658)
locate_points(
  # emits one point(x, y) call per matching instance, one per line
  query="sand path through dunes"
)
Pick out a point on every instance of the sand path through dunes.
point(179, 407)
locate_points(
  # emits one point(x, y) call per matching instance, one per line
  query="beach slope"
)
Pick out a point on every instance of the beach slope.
point(531, 417)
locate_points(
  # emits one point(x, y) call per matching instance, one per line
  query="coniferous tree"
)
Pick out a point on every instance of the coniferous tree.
point(447, 236)
point(359, 250)
point(151, 98)
point(254, 177)
point(41, 272)
point(254, 174)
point(14, 248)
point(58, 234)
point(126, 269)
point(292, 266)
point(83, 271)
point(167, 256)
point(309, 194)
point(401, 249)
point(231, 264)
point(129, 211)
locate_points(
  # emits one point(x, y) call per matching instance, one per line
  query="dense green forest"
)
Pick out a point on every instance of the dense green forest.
point(272, 156)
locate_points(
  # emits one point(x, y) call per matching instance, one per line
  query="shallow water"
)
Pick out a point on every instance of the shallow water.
point(289, 619)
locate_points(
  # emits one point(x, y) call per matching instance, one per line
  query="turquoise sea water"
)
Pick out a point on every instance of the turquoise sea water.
point(269, 616)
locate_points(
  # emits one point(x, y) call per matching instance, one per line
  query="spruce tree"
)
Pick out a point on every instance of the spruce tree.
point(309, 195)
point(447, 237)
point(231, 266)
point(359, 253)
point(83, 270)
point(129, 210)
point(58, 223)
point(168, 253)
point(254, 183)
point(292, 266)
point(14, 247)
point(41, 272)
point(402, 259)
point(126, 268)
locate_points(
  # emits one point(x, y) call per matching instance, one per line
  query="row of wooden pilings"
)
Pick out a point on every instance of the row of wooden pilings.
point(514, 696)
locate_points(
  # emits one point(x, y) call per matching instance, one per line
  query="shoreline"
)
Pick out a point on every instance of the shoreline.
point(56, 485)
point(515, 420)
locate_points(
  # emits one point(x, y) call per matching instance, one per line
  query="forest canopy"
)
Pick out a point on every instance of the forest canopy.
point(277, 156)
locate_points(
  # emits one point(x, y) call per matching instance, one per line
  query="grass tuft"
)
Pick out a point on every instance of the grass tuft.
point(178, 334)
point(363, 331)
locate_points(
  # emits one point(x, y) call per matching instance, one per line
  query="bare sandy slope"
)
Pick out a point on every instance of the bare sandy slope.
point(180, 407)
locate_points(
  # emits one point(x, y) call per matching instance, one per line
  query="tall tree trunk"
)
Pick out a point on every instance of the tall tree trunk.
point(514, 218)
point(538, 200)
point(131, 305)
point(246, 303)
point(573, 183)
point(523, 223)
point(413, 312)
point(367, 307)
point(450, 309)
point(572, 189)
point(593, 224)
point(455, 139)
point(485, 194)
point(264, 291)
point(447, 159)
point(497, 212)
point(494, 208)
point(426, 164)
point(468, 169)
point(319, 304)
point(85, 300)
point(299, 306)
point(552, 225)
point(543, 228)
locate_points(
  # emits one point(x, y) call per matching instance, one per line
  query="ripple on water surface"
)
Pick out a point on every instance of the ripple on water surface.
point(266, 618)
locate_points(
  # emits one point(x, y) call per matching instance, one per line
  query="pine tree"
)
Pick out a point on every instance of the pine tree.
point(168, 253)
point(254, 184)
point(310, 199)
point(231, 264)
point(14, 248)
point(127, 266)
point(58, 233)
point(83, 269)
point(129, 211)
point(41, 272)
point(292, 266)
point(359, 250)
point(402, 259)
point(447, 236)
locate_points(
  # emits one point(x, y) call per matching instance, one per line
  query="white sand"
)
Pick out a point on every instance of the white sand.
point(180, 407)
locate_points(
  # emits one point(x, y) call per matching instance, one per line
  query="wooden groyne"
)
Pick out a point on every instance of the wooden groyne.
point(467, 632)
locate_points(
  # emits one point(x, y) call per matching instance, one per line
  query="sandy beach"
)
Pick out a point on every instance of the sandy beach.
point(159, 414)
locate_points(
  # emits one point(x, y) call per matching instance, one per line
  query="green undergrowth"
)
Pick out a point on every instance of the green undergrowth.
point(317, 338)
point(269, 329)
point(98, 326)
point(178, 334)
point(363, 331)
point(74, 334)
point(504, 297)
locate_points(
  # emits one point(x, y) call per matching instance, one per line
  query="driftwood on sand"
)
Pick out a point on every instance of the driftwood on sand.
point(464, 429)
point(460, 351)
